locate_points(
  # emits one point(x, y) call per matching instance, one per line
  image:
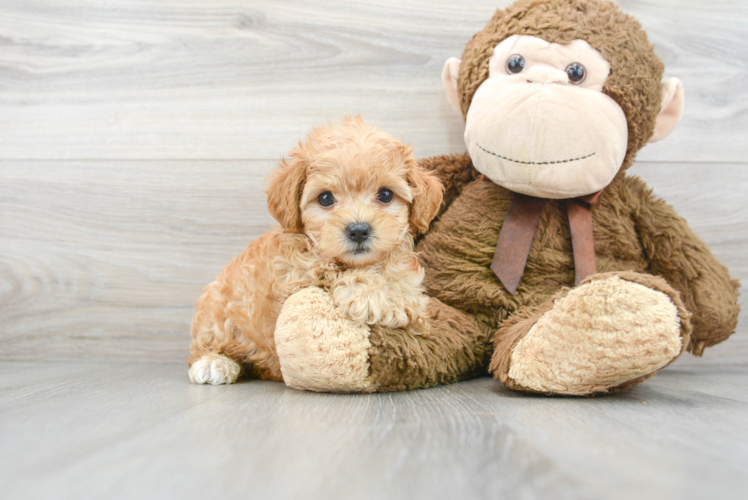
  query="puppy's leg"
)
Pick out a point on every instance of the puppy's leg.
point(406, 297)
point(394, 299)
point(209, 364)
point(361, 296)
point(365, 296)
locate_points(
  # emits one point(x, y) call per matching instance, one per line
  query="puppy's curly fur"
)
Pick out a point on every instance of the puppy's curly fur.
point(375, 281)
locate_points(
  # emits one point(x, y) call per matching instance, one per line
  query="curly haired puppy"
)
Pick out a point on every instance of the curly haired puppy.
point(349, 201)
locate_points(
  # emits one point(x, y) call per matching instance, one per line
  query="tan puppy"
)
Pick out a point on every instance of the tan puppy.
point(348, 201)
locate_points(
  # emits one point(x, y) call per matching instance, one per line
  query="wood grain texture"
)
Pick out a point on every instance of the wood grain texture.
point(234, 79)
point(106, 259)
point(135, 136)
point(84, 431)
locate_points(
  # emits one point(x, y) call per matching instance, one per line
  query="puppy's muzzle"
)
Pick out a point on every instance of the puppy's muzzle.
point(358, 232)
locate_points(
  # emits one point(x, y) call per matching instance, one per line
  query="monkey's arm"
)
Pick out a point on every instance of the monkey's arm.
point(678, 255)
point(454, 171)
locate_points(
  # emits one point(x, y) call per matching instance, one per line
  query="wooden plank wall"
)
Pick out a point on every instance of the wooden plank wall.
point(135, 136)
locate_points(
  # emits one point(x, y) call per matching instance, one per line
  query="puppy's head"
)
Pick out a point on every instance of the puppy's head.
point(355, 191)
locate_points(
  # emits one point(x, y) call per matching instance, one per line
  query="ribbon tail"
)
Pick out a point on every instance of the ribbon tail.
point(515, 239)
point(582, 240)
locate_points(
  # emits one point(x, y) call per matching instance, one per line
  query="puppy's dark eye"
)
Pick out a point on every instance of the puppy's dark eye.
point(384, 195)
point(576, 73)
point(515, 64)
point(326, 199)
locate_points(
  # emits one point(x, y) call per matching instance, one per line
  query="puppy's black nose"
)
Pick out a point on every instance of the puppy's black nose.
point(358, 232)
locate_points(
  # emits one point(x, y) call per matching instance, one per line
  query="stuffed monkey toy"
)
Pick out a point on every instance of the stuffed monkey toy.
point(547, 265)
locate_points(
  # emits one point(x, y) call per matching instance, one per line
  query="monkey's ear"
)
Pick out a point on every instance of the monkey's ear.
point(671, 110)
point(284, 193)
point(449, 80)
point(427, 197)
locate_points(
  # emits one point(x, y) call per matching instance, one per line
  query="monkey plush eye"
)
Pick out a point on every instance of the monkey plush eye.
point(326, 199)
point(515, 64)
point(384, 195)
point(576, 73)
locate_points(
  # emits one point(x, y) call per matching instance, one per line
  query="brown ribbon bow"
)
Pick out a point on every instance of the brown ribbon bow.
point(519, 228)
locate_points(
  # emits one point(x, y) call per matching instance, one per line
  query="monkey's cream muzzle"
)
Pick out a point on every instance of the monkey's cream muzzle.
point(538, 134)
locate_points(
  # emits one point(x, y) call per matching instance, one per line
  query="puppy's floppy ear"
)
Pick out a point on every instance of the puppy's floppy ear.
point(284, 193)
point(427, 196)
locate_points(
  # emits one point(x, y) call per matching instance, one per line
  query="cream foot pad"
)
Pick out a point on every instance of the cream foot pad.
point(320, 349)
point(600, 335)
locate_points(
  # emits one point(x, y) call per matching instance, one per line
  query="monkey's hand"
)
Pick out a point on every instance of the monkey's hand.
point(684, 260)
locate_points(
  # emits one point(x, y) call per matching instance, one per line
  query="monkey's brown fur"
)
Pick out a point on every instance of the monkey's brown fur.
point(636, 234)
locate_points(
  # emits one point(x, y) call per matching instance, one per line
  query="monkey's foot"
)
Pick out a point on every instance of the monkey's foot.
point(214, 369)
point(319, 348)
point(612, 331)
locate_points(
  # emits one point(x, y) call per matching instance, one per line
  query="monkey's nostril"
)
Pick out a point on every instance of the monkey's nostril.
point(358, 232)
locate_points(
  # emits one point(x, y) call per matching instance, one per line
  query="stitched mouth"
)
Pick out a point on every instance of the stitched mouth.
point(535, 162)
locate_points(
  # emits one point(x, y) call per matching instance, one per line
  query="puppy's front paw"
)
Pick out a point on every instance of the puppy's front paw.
point(395, 318)
point(214, 369)
point(409, 313)
point(420, 325)
point(360, 303)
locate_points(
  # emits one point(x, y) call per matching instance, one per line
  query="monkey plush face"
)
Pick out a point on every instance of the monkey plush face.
point(555, 101)
point(540, 124)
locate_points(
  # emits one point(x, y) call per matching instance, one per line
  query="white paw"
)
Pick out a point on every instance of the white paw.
point(214, 369)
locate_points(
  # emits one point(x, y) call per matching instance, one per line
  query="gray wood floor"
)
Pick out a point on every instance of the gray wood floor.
point(140, 430)
point(134, 139)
